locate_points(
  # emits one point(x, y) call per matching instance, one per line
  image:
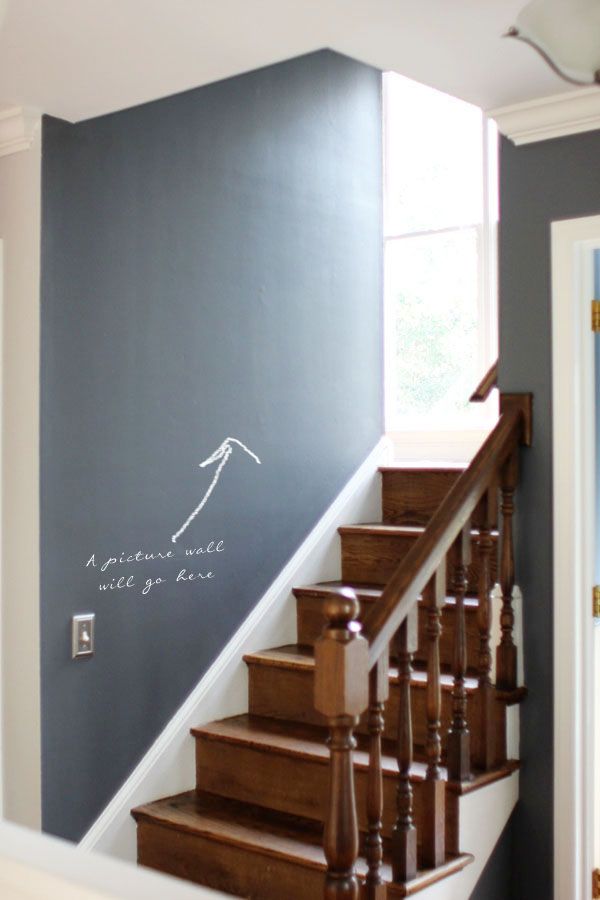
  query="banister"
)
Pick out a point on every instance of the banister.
point(486, 385)
point(421, 562)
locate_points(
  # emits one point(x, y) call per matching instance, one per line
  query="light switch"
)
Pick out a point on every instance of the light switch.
point(82, 635)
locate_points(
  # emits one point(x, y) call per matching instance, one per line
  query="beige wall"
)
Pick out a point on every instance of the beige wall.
point(19, 539)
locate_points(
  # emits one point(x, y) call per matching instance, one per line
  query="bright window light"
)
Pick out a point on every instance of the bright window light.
point(440, 258)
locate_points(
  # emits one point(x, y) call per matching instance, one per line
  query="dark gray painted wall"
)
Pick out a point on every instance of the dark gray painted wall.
point(495, 881)
point(540, 183)
point(211, 267)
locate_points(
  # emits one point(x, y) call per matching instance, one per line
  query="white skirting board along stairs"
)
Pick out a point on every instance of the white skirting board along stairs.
point(483, 815)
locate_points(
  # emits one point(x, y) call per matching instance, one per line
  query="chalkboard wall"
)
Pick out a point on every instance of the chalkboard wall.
point(211, 268)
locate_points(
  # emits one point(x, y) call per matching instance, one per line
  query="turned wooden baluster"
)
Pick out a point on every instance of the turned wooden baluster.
point(341, 694)
point(459, 738)
point(404, 835)
point(485, 755)
point(506, 654)
point(375, 888)
point(433, 844)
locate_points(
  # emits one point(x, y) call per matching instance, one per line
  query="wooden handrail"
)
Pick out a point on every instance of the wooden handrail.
point(486, 385)
point(421, 562)
point(351, 673)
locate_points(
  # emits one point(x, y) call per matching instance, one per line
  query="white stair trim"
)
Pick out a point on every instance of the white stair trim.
point(483, 815)
point(168, 766)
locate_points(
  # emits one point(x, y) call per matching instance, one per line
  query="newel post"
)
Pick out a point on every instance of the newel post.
point(341, 695)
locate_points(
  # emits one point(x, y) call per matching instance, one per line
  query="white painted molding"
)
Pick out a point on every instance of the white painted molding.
point(495, 630)
point(517, 603)
point(18, 126)
point(482, 817)
point(573, 419)
point(451, 446)
point(549, 117)
point(168, 767)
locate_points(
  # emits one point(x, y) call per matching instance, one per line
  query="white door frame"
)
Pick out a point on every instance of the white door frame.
point(573, 412)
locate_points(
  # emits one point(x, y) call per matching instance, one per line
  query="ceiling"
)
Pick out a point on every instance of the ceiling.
point(81, 58)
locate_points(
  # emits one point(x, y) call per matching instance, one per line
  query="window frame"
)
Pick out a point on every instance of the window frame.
point(414, 438)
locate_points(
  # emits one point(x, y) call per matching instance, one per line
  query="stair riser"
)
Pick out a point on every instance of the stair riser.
point(287, 784)
point(237, 870)
point(373, 558)
point(311, 622)
point(288, 694)
point(411, 496)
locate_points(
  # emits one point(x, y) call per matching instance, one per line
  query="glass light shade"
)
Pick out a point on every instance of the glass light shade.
point(566, 33)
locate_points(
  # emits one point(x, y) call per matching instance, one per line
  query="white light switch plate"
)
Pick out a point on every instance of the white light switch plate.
point(82, 635)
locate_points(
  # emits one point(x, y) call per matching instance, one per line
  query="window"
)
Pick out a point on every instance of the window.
point(441, 214)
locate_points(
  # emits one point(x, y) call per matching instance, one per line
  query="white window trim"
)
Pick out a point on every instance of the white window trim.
point(415, 435)
point(573, 374)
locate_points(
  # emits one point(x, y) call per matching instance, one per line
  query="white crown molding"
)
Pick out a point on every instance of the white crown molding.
point(18, 126)
point(549, 117)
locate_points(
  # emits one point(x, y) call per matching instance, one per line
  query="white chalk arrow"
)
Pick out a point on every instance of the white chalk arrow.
point(222, 453)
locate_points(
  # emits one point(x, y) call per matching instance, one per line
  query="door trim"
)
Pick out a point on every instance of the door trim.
point(573, 529)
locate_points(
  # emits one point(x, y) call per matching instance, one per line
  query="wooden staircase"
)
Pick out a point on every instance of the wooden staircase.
point(268, 780)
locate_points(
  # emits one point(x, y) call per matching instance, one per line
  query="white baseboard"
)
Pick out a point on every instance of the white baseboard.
point(168, 767)
point(482, 816)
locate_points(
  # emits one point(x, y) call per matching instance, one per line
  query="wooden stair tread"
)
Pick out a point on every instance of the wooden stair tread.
point(365, 592)
point(368, 592)
point(271, 833)
point(308, 742)
point(237, 823)
point(299, 657)
point(295, 739)
point(386, 528)
point(429, 466)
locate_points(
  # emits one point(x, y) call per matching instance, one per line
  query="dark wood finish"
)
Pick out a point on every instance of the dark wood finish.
point(311, 620)
point(486, 385)
point(410, 496)
point(485, 753)
point(506, 654)
point(284, 767)
point(404, 835)
point(371, 553)
point(433, 845)
point(281, 687)
point(379, 685)
point(341, 695)
point(523, 404)
point(273, 782)
point(459, 738)
point(426, 554)
point(248, 851)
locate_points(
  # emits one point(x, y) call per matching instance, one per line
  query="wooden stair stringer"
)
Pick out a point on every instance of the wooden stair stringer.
point(253, 825)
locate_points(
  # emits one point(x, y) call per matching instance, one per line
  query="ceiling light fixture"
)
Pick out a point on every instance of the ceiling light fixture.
point(566, 33)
